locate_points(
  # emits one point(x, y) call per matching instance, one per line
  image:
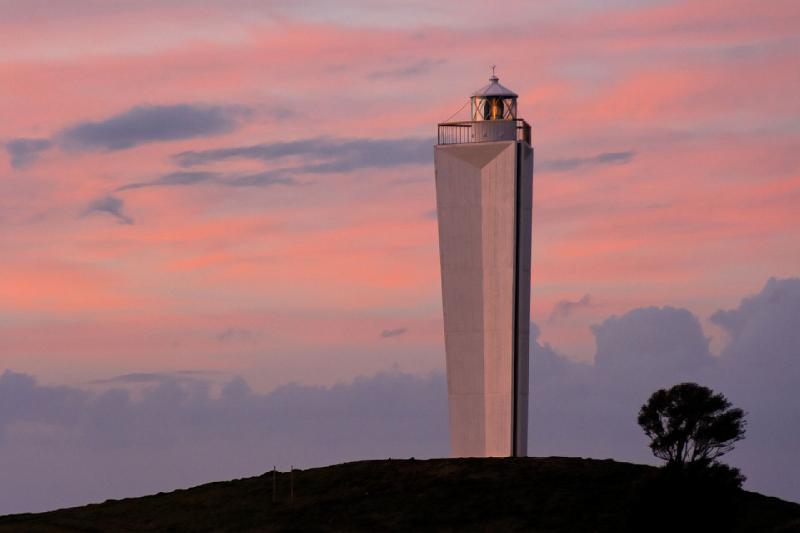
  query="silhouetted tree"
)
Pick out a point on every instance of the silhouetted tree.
point(689, 424)
point(689, 427)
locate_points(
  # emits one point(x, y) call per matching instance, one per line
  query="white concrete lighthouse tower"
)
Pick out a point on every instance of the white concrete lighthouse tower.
point(484, 173)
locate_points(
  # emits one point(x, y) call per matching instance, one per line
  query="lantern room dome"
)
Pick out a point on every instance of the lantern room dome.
point(494, 89)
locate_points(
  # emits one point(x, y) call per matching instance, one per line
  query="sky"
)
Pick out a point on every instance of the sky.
point(228, 209)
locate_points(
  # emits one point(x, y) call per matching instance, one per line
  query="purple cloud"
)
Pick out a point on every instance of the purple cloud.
point(66, 446)
point(396, 332)
point(24, 152)
point(565, 308)
point(110, 205)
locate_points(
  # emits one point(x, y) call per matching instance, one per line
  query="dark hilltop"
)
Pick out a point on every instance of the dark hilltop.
point(520, 494)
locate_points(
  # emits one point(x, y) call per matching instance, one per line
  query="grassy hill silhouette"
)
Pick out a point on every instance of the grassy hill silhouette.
point(517, 494)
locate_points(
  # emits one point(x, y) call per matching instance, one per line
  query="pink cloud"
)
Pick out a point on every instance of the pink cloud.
point(703, 99)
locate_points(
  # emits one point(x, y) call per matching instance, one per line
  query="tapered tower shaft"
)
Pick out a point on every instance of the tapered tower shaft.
point(484, 172)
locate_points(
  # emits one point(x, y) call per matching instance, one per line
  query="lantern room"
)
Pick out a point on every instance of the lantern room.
point(493, 102)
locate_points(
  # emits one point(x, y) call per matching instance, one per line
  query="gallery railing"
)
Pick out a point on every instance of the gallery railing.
point(465, 132)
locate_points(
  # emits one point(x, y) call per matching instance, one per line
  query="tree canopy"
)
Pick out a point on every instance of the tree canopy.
point(690, 424)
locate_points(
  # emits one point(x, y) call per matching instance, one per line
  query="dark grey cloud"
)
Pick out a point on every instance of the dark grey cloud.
point(396, 332)
point(606, 158)
point(147, 378)
point(418, 68)
point(278, 113)
point(262, 152)
point(24, 152)
point(64, 445)
point(110, 205)
point(260, 179)
point(235, 334)
point(173, 179)
point(565, 308)
point(187, 178)
point(146, 124)
point(323, 155)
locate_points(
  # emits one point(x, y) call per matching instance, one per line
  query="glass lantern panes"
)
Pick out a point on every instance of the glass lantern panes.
point(494, 108)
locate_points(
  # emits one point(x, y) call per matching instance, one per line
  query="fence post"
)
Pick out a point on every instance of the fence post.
point(274, 484)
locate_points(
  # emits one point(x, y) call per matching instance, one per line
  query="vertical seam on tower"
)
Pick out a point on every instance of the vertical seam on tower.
point(515, 349)
point(482, 245)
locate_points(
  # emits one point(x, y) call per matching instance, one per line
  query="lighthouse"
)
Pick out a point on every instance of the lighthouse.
point(484, 176)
